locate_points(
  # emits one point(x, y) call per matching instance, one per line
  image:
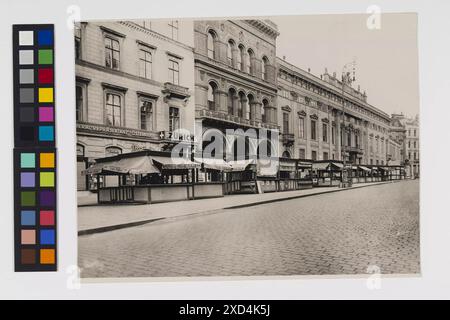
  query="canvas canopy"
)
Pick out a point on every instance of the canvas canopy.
point(135, 165)
point(174, 163)
point(214, 164)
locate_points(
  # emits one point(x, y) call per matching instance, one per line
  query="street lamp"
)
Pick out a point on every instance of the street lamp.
point(347, 78)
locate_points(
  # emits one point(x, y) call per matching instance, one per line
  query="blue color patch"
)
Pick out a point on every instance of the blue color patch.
point(45, 38)
point(46, 133)
point(28, 218)
point(47, 236)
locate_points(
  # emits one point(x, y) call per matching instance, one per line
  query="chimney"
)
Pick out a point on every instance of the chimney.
point(359, 88)
point(326, 71)
point(334, 74)
point(309, 70)
point(284, 57)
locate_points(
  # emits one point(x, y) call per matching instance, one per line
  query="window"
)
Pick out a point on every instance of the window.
point(212, 93)
point(333, 134)
point(264, 111)
point(301, 128)
point(210, 44)
point(415, 144)
point(145, 64)
point(146, 112)
point(264, 64)
point(324, 132)
point(313, 130)
point(112, 151)
point(409, 144)
point(307, 101)
point(302, 153)
point(371, 161)
point(409, 155)
point(250, 55)
point(415, 156)
point(285, 122)
point(325, 156)
point(174, 119)
point(174, 72)
point(112, 53)
point(415, 132)
point(249, 114)
point(231, 100)
point(242, 104)
point(173, 26)
point(113, 109)
point(314, 155)
point(356, 141)
point(349, 140)
point(77, 33)
point(79, 103)
point(241, 58)
point(230, 49)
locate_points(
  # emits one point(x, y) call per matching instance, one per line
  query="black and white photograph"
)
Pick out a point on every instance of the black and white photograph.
point(248, 146)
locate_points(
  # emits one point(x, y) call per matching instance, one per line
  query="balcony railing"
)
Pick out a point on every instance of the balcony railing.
point(172, 90)
point(217, 115)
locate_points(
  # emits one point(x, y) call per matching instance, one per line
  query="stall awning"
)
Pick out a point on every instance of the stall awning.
point(321, 166)
point(137, 165)
point(214, 164)
point(287, 166)
point(169, 163)
point(374, 168)
point(364, 168)
point(303, 165)
point(241, 165)
point(327, 165)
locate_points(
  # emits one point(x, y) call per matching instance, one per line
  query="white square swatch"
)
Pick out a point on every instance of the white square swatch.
point(26, 57)
point(26, 38)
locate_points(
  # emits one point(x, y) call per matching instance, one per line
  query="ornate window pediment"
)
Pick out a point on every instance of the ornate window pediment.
point(325, 120)
point(302, 113)
point(286, 108)
point(314, 116)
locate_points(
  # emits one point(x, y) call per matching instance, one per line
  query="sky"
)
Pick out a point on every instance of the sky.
point(386, 58)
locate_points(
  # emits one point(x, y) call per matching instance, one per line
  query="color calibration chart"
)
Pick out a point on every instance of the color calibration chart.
point(34, 152)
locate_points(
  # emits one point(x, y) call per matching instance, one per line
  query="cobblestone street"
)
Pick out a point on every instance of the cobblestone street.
point(337, 233)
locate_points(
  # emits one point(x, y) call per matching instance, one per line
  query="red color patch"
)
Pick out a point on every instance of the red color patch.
point(47, 218)
point(45, 75)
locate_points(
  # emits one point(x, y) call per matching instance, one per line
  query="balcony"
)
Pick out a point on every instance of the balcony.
point(287, 139)
point(175, 91)
point(232, 119)
point(353, 149)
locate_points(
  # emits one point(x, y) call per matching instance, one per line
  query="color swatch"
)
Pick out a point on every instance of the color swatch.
point(35, 152)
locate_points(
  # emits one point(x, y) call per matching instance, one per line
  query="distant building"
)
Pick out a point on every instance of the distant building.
point(408, 129)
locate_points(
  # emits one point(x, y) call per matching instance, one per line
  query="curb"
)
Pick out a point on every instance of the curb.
point(142, 222)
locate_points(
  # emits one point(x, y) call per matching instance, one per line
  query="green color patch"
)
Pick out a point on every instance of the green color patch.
point(28, 198)
point(45, 56)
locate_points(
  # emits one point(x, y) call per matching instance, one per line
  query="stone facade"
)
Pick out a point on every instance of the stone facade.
point(132, 84)
point(407, 130)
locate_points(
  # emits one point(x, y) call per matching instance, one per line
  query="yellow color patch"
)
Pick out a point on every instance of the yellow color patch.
point(47, 160)
point(47, 179)
point(45, 94)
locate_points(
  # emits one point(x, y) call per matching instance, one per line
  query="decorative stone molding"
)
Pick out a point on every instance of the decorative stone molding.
point(286, 108)
point(314, 117)
point(302, 113)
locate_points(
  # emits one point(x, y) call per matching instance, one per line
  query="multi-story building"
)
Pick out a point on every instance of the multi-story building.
point(408, 129)
point(313, 123)
point(134, 86)
point(235, 76)
point(144, 84)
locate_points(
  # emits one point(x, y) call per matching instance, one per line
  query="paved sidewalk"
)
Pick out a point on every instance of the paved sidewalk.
point(101, 218)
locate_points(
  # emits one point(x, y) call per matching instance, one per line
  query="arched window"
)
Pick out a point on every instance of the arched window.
point(264, 110)
point(286, 154)
point(248, 62)
point(231, 101)
point(241, 58)
point(242, 104)
point(230, 49)
point(211, 43)
point(249, 114)
point(212, 95)
point(264, 64)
